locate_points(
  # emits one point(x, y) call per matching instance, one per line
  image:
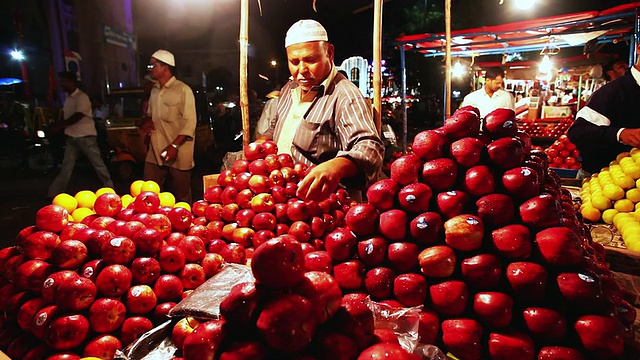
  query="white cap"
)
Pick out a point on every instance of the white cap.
point(305, 31)
point(164, 56)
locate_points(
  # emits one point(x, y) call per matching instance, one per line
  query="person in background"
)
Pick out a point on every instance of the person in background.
point(608, 124)
point(268, 114)
point(491, 96)
point(614, 70)
point(100, 115)
point(323, 119)
point(171, 128)
point(81, 135)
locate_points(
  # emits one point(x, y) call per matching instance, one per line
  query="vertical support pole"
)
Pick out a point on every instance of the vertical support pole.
point(447, 20)
point(403, 80)
point(579, 93)
point(244, 94)
point(377, 59)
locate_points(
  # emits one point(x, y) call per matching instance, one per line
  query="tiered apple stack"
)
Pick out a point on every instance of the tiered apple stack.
point(553, 130)
point(475, 226)
point(89, 288)
point(563, 154)
point(288, 313)
point(256, 201)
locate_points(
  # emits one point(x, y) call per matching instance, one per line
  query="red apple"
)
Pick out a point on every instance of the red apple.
point(31, 274)
point(171, 259)
point(384, 351)
point(362, 219)
point(511, 345)
point(382, 194)
point(323, 292)
point(495, 210)
point(479, 180)
point(405, 170)
point(482, 271)
point(451, 203)
point(512, 241)
point(42, 319)
point(379, 282)
point(301, 231)
point(506, 152)
point(52, 218)
point(464, 232)
point(462, 337)
point(130, 229)
point(133, 327)
point(410, 289)
point(233, 253)
point(183, 328)
point(521, 182)
point(559, 246)
point(349, 274)
point(437, 261)
point(27, 312)
point(541, 211)
point(545, 324)
point(192, 276)
point(430, 144)
point(50, 284)
point(147, 242)
point(212, 194)
point(278, 263)
point(140, 299)
point(39, 245)
point(66, 332)
point(341, 244)
point(493, 308)
point(145, 270)
point(559, 353)
point(318, 261)
point(449, 297)
point(204, 342)
point(114, 280)
point(527, 279)
point(393, 224)
point(403, 256)
point(106, 315)
point(181, 218)
point(287, 323)
point(467, 151)
point(240, 308)
point(440, 174)
point(103, 347)
point(415, 197)
point(461, 124)
point(499, 123)
point(146, 202)
point(212, 264)
point(107, 204)
point(168, 287)
point(426, 228)
point(372, 251)
point(76, 294)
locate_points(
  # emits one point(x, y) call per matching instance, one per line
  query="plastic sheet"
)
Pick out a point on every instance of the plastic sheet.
point(204, 302)
point(402, 321)
point(155, 344)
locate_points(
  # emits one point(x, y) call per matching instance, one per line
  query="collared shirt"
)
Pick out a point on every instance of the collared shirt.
point(78, 102)
point(596, 131)
point(486, 103)
point(173, 111)
point(339, 122)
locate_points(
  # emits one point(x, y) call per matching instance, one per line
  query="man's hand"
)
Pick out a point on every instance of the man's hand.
point(171, 153)
point(630, 137)
point(323, 179)
point(147, 126)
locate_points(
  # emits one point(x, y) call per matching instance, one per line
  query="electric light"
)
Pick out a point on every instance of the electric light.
point(524, 4)
point(17, 55)
point(545, 64)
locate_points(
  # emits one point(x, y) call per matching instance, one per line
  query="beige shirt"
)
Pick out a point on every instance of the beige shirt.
point(78, 102)
point(173, 111)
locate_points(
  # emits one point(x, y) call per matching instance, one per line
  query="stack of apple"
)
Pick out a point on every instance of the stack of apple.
point(256, 200)
point(89, 288)
point(553, 130)
point(288, 313)
point(475, 226)
point(563, 154)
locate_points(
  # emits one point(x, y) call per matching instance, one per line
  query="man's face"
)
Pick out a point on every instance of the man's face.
point(310, 63)
point(620, 67)
point(494, 84)
point(156, 68)
point(66, 85)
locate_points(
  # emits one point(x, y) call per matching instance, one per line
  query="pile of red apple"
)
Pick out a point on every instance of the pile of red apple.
point(288, 313)
point(563, 154)
point(90, 288)
point(476, 227)
point(549, 130)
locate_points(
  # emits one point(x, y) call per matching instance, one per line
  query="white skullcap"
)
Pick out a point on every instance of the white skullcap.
point(305, 31)
point(164, 56)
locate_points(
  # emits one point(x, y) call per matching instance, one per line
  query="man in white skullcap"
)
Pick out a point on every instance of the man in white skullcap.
point(170, 129)
point(323, 119)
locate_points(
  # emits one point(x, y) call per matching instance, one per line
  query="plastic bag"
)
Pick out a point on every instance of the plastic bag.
point(402, 321)
point(155, 344)
point(204, 302)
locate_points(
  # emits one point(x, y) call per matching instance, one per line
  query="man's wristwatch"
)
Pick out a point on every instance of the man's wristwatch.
point(174, 146)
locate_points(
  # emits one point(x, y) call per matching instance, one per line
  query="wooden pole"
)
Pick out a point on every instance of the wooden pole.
point(447, 24)
point(244, 93)
point(377, 58)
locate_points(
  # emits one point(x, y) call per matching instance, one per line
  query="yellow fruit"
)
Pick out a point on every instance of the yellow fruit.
point(629, 229)
point(70, 218)
point(633, 171)
point(624, 205)
point(183, 204)
point(607, 215)
point(633, 242)
point(625, 182)
point(136, 187)
point(633, 195)
point(91, 358)
point(634, 151)
point(600, 202)
point(80, 213)
point(622, 155)
point(613, 192)
point(636, 215)
point(126, 200)
point(105, 190)
point(590, 213)
point(150, 185)
point(66, 201)
point(86, 199)
point(167, 199)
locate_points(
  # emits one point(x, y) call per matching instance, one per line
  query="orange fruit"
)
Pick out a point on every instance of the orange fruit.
point(66, 201)
point(183, 204)
point(590, 213)
point(86, 199)
point(126, 200)
point(80, 213)
point(167, 199)
point(104, 190)
point(136, 187)
point(150, 185)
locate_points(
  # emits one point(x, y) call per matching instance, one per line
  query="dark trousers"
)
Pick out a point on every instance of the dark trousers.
point(180, 180)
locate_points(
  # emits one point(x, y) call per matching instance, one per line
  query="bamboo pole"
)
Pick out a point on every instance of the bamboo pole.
point(244, 94)
point(377, 58)
point(447, 24)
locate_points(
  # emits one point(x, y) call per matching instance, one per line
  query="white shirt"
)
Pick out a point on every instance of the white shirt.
point(78, 102)
point(486, 104)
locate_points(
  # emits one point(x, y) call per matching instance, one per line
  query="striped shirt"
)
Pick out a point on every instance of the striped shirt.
point(339, 122)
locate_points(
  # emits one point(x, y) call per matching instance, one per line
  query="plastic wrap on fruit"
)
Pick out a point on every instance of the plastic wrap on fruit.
point(155, 344)
point(204, 302)
point(430, 352)
point(403, 321)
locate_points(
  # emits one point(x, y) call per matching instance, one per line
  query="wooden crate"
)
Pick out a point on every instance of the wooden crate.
point(623, 260)
point(209, 180)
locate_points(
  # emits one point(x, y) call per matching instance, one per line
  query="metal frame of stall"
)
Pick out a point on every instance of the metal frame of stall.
point(611, 20)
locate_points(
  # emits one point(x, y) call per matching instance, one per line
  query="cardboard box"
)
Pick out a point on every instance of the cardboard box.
point(534, 108)
point(209, 180)
point(555, 111)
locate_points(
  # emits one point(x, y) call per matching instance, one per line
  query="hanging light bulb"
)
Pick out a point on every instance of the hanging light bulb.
point(458, 70)
point(545, 64)
point(524, 4)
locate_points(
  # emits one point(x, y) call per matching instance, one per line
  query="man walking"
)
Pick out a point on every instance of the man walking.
point(171, 129)
point(80, 133)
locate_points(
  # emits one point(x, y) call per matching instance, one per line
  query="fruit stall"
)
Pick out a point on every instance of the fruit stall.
point(471, 249)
